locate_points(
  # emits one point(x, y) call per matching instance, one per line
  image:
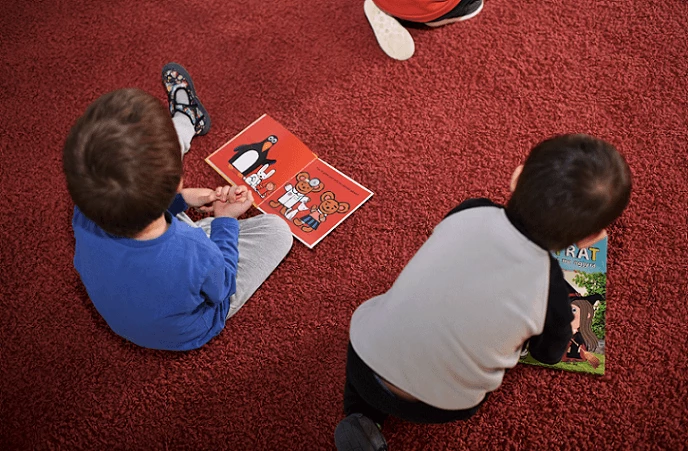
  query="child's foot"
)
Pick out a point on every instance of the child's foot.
point(466, 9)
point(394, 39)
point(182, 98)
point(358, 433)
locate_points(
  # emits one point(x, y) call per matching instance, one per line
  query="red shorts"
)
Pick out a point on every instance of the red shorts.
point(417, 10)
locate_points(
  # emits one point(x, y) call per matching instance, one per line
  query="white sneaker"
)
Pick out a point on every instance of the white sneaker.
point(394, 39)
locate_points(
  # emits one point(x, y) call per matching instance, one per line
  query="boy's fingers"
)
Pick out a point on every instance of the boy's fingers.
point(225, 193)
point(235, 194)
point(245, 196)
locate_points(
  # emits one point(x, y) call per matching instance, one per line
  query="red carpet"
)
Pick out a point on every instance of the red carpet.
point(448, 124)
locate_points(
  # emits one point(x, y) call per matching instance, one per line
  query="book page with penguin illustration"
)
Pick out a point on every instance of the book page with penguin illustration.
point(264, 156)
point(585, 271)
point(288, 179)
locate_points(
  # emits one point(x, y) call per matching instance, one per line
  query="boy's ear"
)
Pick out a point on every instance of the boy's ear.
point(181, 185)
point(514, 178)
point(591, 239)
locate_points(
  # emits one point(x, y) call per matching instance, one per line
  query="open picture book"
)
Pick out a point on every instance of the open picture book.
point(288, 179)
point(585, 271)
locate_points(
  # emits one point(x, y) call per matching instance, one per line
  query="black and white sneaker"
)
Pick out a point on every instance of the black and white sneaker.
point(466, 9)
point(358, 433)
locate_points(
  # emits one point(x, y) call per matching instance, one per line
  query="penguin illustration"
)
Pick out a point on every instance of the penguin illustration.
point(249, 157)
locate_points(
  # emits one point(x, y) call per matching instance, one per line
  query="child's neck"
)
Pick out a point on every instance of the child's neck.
point(154, 230)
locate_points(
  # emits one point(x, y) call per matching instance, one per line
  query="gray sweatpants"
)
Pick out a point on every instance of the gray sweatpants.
point(264, 241)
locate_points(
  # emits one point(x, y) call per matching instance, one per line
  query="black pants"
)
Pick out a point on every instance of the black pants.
point(364, 394)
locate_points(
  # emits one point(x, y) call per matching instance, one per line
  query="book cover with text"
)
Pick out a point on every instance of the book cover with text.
point(585, 271)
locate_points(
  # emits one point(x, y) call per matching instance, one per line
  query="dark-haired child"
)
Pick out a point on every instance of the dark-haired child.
point(158, 279)
point(432, 348)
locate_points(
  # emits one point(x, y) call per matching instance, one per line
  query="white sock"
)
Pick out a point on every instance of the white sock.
point(394, 39)
point(182, 123)
point(181, 96)
point(185, 131)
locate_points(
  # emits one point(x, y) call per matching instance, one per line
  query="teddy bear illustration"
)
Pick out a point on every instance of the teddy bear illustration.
point(328, 206)
point(287, 203)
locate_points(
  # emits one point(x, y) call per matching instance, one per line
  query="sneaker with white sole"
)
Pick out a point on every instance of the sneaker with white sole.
point(394, 39)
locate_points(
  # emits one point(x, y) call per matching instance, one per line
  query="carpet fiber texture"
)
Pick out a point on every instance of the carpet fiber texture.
point(450, 123)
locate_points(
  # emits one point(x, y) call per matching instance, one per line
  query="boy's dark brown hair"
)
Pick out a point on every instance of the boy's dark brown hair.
point(571, 187)
point(122, 161)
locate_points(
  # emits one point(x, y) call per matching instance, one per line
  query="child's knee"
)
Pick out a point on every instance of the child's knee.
point(282, 237)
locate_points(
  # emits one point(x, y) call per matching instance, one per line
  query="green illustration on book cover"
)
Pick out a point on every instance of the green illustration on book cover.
point(585, 271)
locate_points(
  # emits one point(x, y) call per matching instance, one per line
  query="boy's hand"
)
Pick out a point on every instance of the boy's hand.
point(232, 202)
point(200, 198)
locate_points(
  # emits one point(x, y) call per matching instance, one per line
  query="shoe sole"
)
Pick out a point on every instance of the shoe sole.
point(393, 38)
point(456, 19)
point(185, 74)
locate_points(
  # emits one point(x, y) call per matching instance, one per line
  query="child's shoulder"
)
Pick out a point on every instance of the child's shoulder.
point(473, 203)
point(79, 219)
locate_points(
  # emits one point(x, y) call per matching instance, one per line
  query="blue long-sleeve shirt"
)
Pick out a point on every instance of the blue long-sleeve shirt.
point(171, 292)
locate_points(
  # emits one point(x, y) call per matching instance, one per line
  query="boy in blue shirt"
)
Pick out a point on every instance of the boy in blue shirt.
point(158, 279)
